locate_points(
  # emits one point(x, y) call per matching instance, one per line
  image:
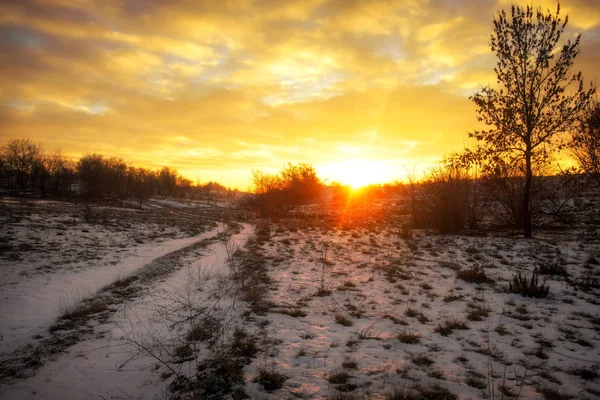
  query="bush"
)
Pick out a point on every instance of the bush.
point(343, 320)
point(270, 379)
point(447, 327)
point(339, 378)
point(528, 287)
point(408, 337)
point(476, 274)
point(551, 269)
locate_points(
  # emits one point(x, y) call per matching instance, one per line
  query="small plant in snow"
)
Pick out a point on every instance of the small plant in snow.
point(475, 274)
point(408, 337)
point(447, 327)
point(269, 378)
point(343, 320)
point(528, 287)
point(339, 378)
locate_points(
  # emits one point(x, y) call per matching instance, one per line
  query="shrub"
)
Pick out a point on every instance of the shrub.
point(339, 378)
point(528, 287)
point(401, 393)
point(350, 363)
point(447, 327)
point(205, 330)
point(589, 374)
point(585, 281)
point(476, 274)
point(269, 378)
point(408, 337)
point(423, 360)
point(477, 313)
point(551, 269)
point(436, 392)
point(293, 312)
point(343, 320)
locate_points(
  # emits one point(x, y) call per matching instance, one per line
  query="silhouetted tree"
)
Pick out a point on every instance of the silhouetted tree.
point(142, 183)
point(167, 178)
point(538, 96)
point(114, 173)
point(91, 171)
point(293, 186)
point(23, 160)
point(585, 145)
point(61, 171)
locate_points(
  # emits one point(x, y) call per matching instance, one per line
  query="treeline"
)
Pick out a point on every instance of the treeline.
point(26, 169)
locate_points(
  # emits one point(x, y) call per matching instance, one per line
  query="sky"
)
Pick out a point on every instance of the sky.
point(364, 90)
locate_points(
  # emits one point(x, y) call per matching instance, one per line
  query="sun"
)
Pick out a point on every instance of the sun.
point(358, 172)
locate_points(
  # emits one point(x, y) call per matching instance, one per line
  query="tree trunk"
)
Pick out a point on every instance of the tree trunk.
point(527, 193)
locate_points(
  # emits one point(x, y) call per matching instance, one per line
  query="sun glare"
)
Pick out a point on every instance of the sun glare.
point(358, 172)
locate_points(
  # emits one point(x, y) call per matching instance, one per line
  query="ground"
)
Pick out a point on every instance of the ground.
point(330, 302)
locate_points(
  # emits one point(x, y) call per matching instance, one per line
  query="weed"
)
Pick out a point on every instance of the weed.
point(477, 313)
point(396, 320)
point(338, 378)
point(205, 330)
point(343, 320)
point(476, 383)
point(585, 281)
point(293, 312)
point(588, 374)
point(401, 393)
point(269, 378)
point(435, 392)
point(452, 297)
point(450, 265)
point(549, 377)
point(423, 360)
point(350, 363)
point(551, 269)
point(447, 327)
point(553, 394)
point(300, 352)
point(243, 345)
point(476, 274)
point(528, 287)
point(501, 330)
point(408, 337)
point(411, 312)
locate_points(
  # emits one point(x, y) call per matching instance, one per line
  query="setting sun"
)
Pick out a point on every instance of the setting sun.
point(358, 172)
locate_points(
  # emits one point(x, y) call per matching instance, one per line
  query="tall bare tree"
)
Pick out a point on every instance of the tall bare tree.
point(538, 97)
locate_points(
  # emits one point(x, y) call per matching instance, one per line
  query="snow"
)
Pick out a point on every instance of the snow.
point(30, 306)
point(110, 366)
point(352, 267)
point(384, 285)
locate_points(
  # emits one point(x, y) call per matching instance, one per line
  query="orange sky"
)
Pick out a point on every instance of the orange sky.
point(217, 88)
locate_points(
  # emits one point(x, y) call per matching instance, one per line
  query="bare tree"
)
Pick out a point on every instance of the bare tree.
point(22, 160)
point(91, 170)
point(61, 171)
point(538, 96)
point(585, 144)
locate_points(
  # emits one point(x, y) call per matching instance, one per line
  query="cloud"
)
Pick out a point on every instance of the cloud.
point(220, 87)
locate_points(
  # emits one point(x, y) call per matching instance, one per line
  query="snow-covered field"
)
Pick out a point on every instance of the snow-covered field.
point(370, 307)
point(343, 306)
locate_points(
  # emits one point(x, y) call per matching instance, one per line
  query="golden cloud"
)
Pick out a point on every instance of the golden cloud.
point(220, 87)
